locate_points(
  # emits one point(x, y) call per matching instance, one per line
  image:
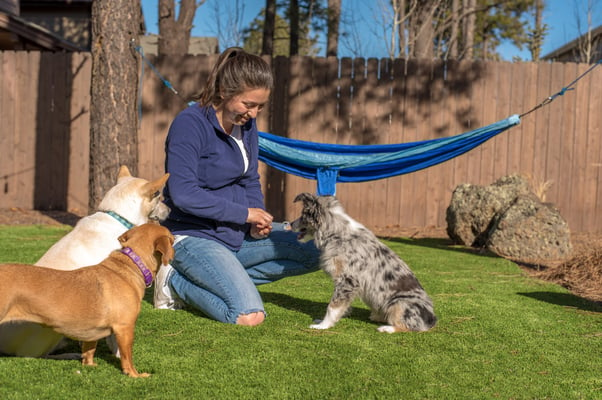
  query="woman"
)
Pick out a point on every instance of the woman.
point(226, 243)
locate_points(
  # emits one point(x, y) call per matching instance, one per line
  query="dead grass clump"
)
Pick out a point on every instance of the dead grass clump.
point(539, 188)
point(582, 274)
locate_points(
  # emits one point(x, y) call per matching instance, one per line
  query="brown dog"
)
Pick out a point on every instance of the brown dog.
point(132, 201)
point(90, 303)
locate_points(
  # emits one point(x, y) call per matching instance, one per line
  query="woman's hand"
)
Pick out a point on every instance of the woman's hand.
point(261, 223)
point(257, 233)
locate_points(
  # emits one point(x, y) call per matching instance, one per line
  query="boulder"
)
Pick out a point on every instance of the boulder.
point(508, 219)
point(472, 208)
point(530, 231)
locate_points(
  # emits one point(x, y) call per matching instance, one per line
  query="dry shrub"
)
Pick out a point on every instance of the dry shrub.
point(539, 188)
point(582, 274)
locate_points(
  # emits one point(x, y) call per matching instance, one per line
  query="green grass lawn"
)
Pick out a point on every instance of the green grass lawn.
point(501, 335)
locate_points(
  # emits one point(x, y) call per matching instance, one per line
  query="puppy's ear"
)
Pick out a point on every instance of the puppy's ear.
point(312, 212)
point(153, 189)
point(304, 197)
point(164, 245)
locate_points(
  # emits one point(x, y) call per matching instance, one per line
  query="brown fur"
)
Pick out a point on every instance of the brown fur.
point(92, 239)
point(90, 303)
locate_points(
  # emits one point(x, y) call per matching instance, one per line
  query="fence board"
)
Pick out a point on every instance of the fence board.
point(7, 108)
point(517, 106)
point(52, 144)
point(325, 100)
point(500, 149)
point(26, 71)
point(379, 78)
point(579, 188)
point(567, 138)
point(594, 141)
point(79, 146)
point(554, 133)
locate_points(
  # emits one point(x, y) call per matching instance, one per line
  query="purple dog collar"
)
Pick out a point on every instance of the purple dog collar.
point(148, 276)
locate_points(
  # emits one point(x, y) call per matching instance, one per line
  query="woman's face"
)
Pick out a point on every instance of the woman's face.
point(241, 108)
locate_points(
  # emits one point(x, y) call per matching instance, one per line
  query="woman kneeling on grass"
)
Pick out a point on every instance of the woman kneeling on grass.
point(226, 243)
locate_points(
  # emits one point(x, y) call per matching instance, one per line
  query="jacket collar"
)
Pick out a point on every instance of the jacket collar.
point(212, 117)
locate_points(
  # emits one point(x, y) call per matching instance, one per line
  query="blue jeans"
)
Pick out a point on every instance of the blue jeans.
point(222, 283)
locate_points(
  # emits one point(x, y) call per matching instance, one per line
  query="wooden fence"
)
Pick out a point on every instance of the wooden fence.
point(44, 129)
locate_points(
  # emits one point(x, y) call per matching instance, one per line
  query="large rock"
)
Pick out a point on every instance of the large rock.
point(508, 219)
point(530, 231)
point(472, 208)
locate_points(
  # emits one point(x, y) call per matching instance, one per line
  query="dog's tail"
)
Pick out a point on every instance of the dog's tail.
point(414, 315)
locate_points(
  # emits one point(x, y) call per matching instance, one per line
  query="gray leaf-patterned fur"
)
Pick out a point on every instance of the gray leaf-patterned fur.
point(362, 266)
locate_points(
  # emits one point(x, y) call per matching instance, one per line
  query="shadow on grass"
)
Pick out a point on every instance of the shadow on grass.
point(62, 217)
point(70, 350)
point(441, 244)
point(565, 300)
point(314, 309)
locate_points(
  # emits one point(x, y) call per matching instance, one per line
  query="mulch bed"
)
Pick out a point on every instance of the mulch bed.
point(582, 274)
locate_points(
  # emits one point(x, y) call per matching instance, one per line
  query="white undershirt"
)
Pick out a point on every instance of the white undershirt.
point(237, 136)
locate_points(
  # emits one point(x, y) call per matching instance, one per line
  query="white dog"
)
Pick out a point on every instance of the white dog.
point(131, 202)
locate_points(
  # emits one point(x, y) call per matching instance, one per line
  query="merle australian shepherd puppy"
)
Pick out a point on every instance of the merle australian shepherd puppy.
point(361, 265)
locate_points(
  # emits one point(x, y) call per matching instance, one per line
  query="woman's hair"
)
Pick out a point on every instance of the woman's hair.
point(234, 72)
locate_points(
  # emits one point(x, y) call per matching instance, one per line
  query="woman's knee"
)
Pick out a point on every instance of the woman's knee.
point(251, 319)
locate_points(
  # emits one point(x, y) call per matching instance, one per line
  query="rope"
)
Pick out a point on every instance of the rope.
point(165, 81)
point(562, 91)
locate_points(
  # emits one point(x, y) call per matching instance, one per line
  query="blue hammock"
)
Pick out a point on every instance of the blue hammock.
point(332, 163)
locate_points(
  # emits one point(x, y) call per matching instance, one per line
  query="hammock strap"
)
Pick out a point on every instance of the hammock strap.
point(562, 91)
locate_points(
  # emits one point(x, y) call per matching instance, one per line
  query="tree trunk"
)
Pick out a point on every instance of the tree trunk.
point(401, 30)
point(469, 27)
point(294, 34)
point(455, 30)
point(423, 48)
point(114, 86)
point(538, 31)
point(174, 33)
point(334, 18)
point(269, 24)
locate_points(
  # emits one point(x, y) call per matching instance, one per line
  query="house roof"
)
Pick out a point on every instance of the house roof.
point(17, 33)
point(197, 45)
point(572, 45)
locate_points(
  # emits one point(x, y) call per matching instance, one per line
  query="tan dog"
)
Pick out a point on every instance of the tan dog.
point(88, 304)
point(132, 201)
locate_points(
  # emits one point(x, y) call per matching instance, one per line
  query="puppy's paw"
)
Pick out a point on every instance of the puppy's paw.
point(319, 324)
point(387, 329)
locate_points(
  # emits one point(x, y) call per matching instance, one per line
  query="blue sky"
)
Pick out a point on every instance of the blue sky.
point(560, 16)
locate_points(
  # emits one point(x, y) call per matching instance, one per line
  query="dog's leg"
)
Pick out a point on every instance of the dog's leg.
point(392, 328)
point(344, 293)
point(88, 350)
point(334, 313)
point(394, 318)
point(125, 342)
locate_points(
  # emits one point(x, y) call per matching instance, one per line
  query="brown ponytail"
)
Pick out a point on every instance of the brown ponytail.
point(234, 72)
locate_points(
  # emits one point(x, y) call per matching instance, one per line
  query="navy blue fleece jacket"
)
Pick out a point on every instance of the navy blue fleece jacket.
point(208, 191)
